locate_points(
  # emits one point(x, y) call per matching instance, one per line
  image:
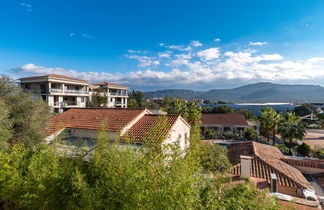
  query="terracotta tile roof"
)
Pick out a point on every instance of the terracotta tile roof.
point(304, 162)
point(93, 119)
point(266, 159)
point(150, 127)
point(109, 83)
point(223, 119)
point(54, 75)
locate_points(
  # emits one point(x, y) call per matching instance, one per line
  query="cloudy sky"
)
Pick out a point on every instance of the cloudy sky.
point(159, 44)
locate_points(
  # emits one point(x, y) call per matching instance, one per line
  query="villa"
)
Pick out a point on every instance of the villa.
point(134, 126)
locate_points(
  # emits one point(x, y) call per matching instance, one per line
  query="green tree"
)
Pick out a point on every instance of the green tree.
point(98, 99)
point(27, 115)
point(269, 121)
point(193, 113)
point(305, 109)
point(214, 159)
point(137, 96)
point(250, 134)
point(5, 126)
point(291, 129)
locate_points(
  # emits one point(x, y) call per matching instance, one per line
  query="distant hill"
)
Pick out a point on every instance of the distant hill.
point(259, 92)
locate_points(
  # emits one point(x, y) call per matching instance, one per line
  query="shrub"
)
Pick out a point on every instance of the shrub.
point(304, 149)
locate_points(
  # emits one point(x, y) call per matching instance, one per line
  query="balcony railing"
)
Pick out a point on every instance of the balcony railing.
point(54, 90)
point(66, 103)
point(76, 91)
point(118, 94)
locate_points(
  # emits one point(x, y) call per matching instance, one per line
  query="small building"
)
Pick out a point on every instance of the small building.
point(224, 122)
point(58, 91)
point(134, 126)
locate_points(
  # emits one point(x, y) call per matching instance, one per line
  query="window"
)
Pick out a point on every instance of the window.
point(186, 138)
point(82, 99)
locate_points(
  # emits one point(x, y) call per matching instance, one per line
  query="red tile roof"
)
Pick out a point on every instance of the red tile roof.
point(56, 76)
point(109, 83)
point(266, 160)
point(310, 163)
point(223, 119)
point(150, 127)
point(93, 119)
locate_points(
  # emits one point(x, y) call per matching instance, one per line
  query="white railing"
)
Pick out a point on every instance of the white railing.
point(54, 90)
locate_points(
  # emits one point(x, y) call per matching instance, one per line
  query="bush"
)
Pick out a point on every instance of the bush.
point(318, 152)
point(304, 149)
point(115, 178)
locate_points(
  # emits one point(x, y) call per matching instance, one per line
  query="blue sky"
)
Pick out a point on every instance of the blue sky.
point(161, 44)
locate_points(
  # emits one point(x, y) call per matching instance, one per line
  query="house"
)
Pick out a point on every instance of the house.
point(60, 92)
point(286, 176)
point(117, 95)
point(224, 122)
point(134, 126)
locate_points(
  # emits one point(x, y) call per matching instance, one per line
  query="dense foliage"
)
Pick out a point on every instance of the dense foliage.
point(99, 98)
point(224, 109)
point(22, 117)
point(113, 174)
point(115, 178)
point(305, 109)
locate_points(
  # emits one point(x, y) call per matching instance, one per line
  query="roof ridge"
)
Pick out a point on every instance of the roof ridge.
point(283, 174)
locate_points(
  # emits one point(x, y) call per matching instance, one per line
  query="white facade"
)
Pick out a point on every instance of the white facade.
point(59, 92)
point(62, 93)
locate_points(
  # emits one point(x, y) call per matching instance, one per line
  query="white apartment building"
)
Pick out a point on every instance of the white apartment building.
point(62, 92)
point(117, 95)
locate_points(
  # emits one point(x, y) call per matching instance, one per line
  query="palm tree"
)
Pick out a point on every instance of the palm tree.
point(178, 106)
point(269, 121)
point(291, 129)
point(193, 113)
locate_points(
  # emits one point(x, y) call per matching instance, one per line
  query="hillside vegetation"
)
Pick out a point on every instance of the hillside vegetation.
point(259, 92)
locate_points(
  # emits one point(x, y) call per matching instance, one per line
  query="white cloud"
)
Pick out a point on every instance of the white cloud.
point(27, 6)
point(217, 40)
point(209, 54)
point(316, 59)
point(88, 36)
point(258, 43)
point(144, 60)
point(164, 54)
point(196, 43)
point(72, 34)
point(179, 47)
point(199, 68)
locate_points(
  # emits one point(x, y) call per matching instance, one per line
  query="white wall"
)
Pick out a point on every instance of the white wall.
point(178, 132)
point(85, 133)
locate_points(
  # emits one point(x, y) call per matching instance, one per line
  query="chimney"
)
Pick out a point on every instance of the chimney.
point(274, 182)
point(246, 162)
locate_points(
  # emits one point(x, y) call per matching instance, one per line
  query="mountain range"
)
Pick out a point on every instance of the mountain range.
point(254, 93)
